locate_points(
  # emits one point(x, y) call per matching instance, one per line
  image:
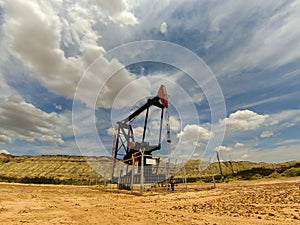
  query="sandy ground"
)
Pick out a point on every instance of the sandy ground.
point(259, 202)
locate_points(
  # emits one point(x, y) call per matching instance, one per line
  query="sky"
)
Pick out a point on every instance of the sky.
point(69, 70)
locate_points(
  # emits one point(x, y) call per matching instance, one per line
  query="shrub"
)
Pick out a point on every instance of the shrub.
point(291, 172)
point(274, 175)
point(39, 180)
point(256, 176)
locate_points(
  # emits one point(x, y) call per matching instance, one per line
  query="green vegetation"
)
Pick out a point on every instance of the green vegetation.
point(291, 172)
point(275, 175)
point(196, 170)
point(78, 170)
point(48, 180)
point(56, 169)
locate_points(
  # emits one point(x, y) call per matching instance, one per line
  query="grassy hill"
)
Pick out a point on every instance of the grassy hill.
point(245, 170)
point(63, 169)
point(77, 169)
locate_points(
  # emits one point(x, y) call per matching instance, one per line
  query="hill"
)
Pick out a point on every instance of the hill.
point(55, 167)
point(245, 170)
point(65, 169)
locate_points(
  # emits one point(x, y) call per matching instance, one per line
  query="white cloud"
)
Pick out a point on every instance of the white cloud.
point(68, 148)
point(41, 50)
point(266, 100)
point(164, 28)
point(118, 11)
point(286, 118)
point(194, 132)
point(270, 41)
point(113, 77)
point(138, 132)
point(287, 142)
point(266, 134)
point(245, 156)
point(21, 120)
point(111, 131)
point(223, 148)
point(249, 35)
point(59, 107)
point(90, 140)
point(5, 89)
point(4, 151)
point(174, 123)
point(275, 154)
point(238, 145)
point(244, 120)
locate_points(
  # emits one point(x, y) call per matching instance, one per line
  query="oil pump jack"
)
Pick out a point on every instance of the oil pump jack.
point(127, 149)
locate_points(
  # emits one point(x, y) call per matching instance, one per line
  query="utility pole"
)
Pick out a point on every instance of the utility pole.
point(230, 162)
point(212, 174)
point(222, 177)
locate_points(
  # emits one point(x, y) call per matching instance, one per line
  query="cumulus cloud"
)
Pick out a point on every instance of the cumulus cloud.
point(174, 123)
point(112, 77)
point(164, 28)
point(21, 120)
point(153, 127)
point(245, 120)
point(35, 36)
point(238, 145)
point(118, 11)
point(223, 148)
point(194, 132)
point(138, 132)
point(34, 32)
point(4, 151)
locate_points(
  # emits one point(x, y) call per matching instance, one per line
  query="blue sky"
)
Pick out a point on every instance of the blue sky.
point(61, 92)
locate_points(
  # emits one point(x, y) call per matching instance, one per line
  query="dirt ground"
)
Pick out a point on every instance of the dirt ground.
point(253, 202)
